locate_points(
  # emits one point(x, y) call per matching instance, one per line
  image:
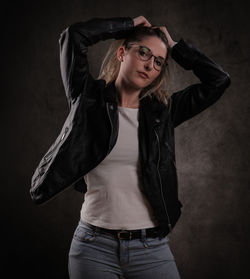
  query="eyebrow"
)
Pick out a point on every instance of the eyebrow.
point(152, 52)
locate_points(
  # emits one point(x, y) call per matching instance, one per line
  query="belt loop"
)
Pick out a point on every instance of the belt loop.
point(143, 235)
point(143, 238)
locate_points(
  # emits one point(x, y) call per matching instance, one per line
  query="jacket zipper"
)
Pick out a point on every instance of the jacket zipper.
point(48, 156)
point(169, 224)
point(111, 127)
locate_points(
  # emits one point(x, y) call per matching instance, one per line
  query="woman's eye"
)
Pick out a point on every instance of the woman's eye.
point(158, 63)
point(142, 53)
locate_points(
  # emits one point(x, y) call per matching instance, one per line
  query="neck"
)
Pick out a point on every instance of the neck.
point(127, 96)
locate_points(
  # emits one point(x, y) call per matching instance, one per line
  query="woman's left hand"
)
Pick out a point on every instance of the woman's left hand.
point(171, 42)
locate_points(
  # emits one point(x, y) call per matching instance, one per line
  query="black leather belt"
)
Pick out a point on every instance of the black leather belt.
point(126, 234)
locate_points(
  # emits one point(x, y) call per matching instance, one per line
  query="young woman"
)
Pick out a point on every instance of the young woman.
point(117, 145)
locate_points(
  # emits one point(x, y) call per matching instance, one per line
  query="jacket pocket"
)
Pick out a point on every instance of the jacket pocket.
point(168, 157)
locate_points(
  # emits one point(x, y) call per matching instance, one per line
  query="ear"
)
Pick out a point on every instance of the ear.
point(120, 53)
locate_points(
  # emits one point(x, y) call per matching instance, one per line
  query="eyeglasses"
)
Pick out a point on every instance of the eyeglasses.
point(145, 54)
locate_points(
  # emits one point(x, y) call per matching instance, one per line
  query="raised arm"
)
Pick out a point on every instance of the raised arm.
point(74, 42)
point(197, 97)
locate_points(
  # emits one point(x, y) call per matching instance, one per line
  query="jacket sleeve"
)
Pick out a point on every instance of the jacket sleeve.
point(73, 45)
point(197, 97)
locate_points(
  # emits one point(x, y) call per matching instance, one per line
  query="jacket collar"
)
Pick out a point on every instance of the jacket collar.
point(152, 104)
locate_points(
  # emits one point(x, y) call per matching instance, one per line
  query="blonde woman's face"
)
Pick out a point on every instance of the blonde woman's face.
point(132, 65)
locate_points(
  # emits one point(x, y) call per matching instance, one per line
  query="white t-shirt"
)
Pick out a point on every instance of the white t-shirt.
point(113, 199)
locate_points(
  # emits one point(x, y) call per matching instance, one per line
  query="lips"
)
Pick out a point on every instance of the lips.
point(142, 74)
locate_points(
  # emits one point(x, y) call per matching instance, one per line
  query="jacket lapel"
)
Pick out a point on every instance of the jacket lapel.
point(151, 105)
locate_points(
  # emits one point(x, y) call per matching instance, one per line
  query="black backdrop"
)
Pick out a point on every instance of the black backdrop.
point(211, 238)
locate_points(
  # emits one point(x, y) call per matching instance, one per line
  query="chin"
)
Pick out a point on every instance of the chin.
point(141, 83)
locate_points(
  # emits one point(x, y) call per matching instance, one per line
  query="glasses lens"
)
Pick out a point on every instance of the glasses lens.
point(144, 53)
point(158, 63)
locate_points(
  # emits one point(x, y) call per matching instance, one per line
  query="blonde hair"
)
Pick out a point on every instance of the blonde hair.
point(111, 65)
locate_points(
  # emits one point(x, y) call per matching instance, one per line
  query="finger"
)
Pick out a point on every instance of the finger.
point(147, 23)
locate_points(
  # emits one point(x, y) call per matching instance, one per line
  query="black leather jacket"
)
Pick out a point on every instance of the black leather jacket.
point(91, 128)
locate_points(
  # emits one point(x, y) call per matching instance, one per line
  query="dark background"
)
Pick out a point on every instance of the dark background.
point(211, 239)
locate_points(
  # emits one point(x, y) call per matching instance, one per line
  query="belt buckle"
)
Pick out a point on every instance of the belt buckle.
point(124, 231)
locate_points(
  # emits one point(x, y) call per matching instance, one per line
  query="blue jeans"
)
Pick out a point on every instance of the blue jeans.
point(99, 255)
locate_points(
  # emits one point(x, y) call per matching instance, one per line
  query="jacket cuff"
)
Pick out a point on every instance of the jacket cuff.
point(185, 54)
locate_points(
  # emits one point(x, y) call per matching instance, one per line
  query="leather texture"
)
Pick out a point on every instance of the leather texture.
point(91, 129)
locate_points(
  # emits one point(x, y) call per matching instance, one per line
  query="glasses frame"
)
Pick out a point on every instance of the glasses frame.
point(155, 57)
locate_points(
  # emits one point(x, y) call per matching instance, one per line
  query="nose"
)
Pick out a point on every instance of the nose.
point(149, 64)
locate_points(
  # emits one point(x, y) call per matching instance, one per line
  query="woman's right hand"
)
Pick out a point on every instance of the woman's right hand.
point(141, 20)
